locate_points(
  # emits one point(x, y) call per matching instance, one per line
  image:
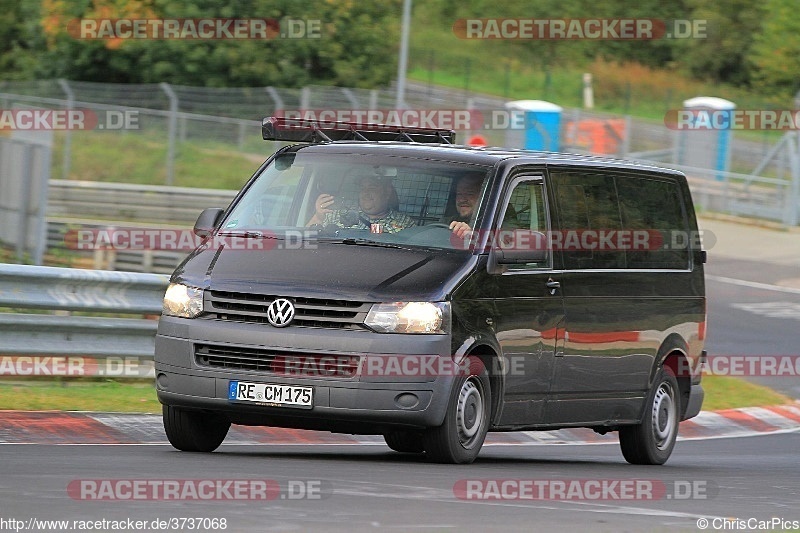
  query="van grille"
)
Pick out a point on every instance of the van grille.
point(275, 361)
point(309, 312)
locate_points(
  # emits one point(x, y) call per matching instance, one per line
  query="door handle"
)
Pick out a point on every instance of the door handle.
point(553, 285)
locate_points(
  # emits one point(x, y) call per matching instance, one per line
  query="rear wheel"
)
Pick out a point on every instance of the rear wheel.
point(460, 437)
point(652, 441)
point(194, 431)
point(405, 441)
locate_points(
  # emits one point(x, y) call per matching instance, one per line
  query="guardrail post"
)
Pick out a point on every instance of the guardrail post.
point(240, 140)
point(25, 197)
point(626, 138)
point(790, 217)
point(373, 99)
point(67, 159)
point(171, 130)
point(350, 97)
point(276, 98)
point(402, 62)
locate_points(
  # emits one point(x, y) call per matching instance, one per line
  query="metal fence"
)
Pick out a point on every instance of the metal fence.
point(228, 118)
point(88, 344)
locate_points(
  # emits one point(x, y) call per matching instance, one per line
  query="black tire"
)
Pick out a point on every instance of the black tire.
point(194, 431)
point(460, 437)
point(405, 441)
point(652, 441)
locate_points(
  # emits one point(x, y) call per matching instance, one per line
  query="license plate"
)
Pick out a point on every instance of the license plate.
point(271, 394)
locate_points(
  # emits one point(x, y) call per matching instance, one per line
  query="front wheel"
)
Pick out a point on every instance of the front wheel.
point(652, 441)
point(194, 431)
point(460, 437)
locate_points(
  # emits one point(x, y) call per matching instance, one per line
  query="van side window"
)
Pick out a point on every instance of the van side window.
point(525, 212)
point(655, 206)
point(587, 205)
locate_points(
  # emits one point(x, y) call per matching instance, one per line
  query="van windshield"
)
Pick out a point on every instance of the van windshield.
point(380, 199)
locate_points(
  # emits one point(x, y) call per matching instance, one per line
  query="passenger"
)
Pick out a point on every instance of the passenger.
point(376, 212)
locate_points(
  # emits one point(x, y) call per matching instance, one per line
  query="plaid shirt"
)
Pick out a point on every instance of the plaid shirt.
point(393, 222)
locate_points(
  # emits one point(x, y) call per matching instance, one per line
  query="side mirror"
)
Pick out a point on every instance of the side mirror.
point(207, 221)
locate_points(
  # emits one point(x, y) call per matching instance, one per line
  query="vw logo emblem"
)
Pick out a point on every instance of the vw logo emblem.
point(280, 312)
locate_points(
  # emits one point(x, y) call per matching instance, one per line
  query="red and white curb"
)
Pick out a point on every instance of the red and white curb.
point(65, 427)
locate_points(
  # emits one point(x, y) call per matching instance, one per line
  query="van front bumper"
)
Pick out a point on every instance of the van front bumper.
point(356, 404)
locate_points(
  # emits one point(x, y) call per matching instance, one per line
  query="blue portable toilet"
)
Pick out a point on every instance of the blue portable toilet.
point(542, 125)
point(707, 148)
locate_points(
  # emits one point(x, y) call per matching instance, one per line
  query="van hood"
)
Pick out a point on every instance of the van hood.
point(329, 270)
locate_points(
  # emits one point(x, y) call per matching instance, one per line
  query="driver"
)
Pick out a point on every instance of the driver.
point(376, 213)
point(468, 191)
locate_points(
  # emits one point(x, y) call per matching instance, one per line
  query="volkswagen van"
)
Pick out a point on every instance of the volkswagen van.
point(565, 300)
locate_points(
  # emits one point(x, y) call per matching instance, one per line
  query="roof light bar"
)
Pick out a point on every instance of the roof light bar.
point(315, 131)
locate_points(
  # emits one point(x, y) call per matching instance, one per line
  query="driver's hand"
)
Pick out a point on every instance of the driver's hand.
point(460, 229)
point(322, 207)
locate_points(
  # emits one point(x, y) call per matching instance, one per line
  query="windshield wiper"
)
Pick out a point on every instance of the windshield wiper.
point(367, 242)
point(248, 234)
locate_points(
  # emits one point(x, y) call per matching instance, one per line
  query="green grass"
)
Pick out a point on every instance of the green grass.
point(126, 396)
point(141, 158)
point(111, 396)
point(724, 392)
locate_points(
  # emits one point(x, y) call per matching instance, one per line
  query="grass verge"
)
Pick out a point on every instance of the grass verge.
point(722, 392)
point(725, 392)
point(107, 396)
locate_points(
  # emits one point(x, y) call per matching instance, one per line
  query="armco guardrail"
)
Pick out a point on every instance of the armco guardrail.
point(96, 205)
point(58, 344)
point(136, 203)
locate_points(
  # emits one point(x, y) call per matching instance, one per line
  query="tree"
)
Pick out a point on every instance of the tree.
point(775, 54)
point(732, 27)
point(356, 45)
point(21, 40)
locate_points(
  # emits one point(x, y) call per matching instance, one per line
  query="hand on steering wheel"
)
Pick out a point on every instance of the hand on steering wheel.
point(460, 229)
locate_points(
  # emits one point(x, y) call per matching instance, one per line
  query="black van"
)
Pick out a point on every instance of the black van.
point(380, 280)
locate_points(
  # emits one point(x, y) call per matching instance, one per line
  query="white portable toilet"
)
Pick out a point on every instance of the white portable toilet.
point(706, 148)
point(542, 125)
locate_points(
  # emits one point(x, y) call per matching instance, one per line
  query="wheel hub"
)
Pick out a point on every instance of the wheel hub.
point(469, 414)
point(663, 416)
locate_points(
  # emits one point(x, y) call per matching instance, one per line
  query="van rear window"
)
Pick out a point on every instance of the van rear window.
point(604, 203)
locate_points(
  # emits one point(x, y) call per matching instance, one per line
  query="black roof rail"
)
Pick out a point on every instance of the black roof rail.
point(315, 131)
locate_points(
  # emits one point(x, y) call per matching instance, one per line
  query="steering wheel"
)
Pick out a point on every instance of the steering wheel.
point(437, 225)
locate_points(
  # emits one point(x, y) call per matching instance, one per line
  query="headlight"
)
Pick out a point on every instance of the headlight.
point(409, 317)
point(183, 301)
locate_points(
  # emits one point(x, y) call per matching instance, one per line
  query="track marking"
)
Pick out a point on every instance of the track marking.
point(753, 284)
